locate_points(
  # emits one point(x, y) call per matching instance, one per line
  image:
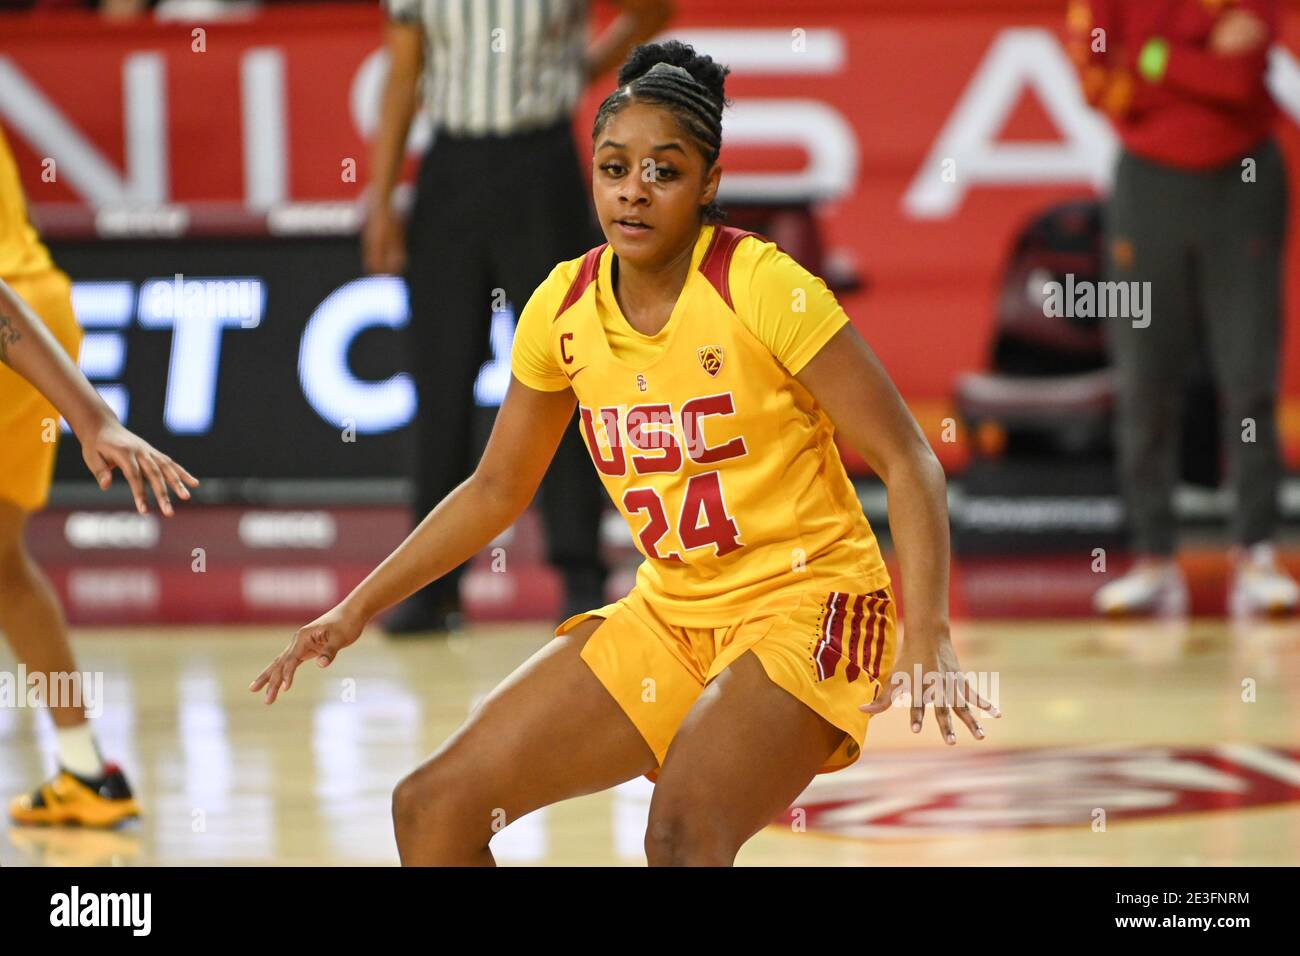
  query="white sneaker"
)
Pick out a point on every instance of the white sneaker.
point(1259, 584)
point(1150, 587)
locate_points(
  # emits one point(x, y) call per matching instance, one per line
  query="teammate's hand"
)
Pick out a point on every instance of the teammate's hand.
point(383, 243)
point(320, 640)
point(927, 670)
point(113, 446)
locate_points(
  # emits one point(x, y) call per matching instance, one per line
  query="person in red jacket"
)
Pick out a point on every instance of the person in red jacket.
point(1198, 210)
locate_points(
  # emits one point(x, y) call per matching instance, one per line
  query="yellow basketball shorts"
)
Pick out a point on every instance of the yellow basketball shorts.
point(29, 424)
point(829, 649)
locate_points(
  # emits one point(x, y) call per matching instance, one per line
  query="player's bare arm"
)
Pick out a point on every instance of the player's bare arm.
point(524, 437)
point(27, 347)
point(853, 387)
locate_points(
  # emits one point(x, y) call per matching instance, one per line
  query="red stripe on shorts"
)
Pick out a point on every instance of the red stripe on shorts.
point(827, 655)
point(852, 670)
point(882, 622)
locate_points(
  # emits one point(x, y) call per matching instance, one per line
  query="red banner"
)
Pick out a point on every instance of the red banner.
point(856, 105)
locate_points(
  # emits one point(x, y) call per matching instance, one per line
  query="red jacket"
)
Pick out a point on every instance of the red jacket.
point(1208, 109)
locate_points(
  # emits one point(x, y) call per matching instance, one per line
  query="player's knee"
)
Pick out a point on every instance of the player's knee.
point(679, 835)
point(415, 797)
point(429, 799)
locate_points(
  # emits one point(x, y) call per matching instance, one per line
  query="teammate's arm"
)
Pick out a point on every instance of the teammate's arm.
point(29, 348)
point(852, 386)
point(527, 431)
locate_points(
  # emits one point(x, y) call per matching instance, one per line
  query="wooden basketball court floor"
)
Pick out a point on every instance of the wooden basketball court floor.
point(1121, 744)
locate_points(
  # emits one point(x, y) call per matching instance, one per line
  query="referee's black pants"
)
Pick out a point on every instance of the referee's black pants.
point(492, 216)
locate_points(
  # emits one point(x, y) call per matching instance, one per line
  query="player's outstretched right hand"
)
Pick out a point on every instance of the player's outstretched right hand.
point(113, 446)
point(321, 640)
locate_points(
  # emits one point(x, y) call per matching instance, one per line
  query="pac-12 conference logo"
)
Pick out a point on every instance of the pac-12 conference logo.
point(710, 357)
point(905, 795)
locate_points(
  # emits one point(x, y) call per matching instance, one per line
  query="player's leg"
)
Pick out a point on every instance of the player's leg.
point(783, 703)
point(549, 732)
point(85, 790)
point(30, 615)
point(745, 751)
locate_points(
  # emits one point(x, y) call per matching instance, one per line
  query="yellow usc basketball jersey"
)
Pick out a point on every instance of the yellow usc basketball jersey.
point(721, 462)
point(21, 251)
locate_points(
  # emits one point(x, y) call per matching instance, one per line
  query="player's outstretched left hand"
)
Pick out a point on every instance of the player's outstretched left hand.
point(113, 446)
point(927, 670)
point(320, 640)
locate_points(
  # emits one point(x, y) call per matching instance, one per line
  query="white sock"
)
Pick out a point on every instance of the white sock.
point(77, 751)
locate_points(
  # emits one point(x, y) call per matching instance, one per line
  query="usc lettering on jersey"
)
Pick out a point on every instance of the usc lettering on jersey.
point(721, 462)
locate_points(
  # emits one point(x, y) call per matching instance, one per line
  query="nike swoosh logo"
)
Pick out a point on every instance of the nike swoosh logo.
point(575, 374)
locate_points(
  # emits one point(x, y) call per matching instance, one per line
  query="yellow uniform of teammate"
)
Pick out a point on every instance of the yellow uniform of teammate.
point(28, 422)
point(725, 469)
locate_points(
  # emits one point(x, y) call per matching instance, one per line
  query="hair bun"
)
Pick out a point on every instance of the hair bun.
point(675, 54)
point(665, 67)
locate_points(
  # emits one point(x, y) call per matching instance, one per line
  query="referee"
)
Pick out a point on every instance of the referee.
point(499, 201)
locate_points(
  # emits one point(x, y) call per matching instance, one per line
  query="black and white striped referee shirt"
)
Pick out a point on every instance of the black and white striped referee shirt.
point(494, 67)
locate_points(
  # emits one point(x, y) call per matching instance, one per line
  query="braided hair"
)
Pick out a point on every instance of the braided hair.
point(689, 84)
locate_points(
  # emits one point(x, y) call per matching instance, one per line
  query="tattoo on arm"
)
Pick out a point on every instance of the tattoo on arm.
point(8, 335)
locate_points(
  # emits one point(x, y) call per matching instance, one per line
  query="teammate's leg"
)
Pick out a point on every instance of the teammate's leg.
point(549, 732)
point(30, 614)
point(85, 790)
point(746, 749)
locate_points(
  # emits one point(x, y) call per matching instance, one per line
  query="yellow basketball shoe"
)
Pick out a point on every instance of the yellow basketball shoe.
point(70, 799)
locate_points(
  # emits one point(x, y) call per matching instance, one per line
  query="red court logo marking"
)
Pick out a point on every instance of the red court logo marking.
point(902, 795)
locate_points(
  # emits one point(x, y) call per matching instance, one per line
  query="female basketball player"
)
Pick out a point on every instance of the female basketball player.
point(710, 371)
